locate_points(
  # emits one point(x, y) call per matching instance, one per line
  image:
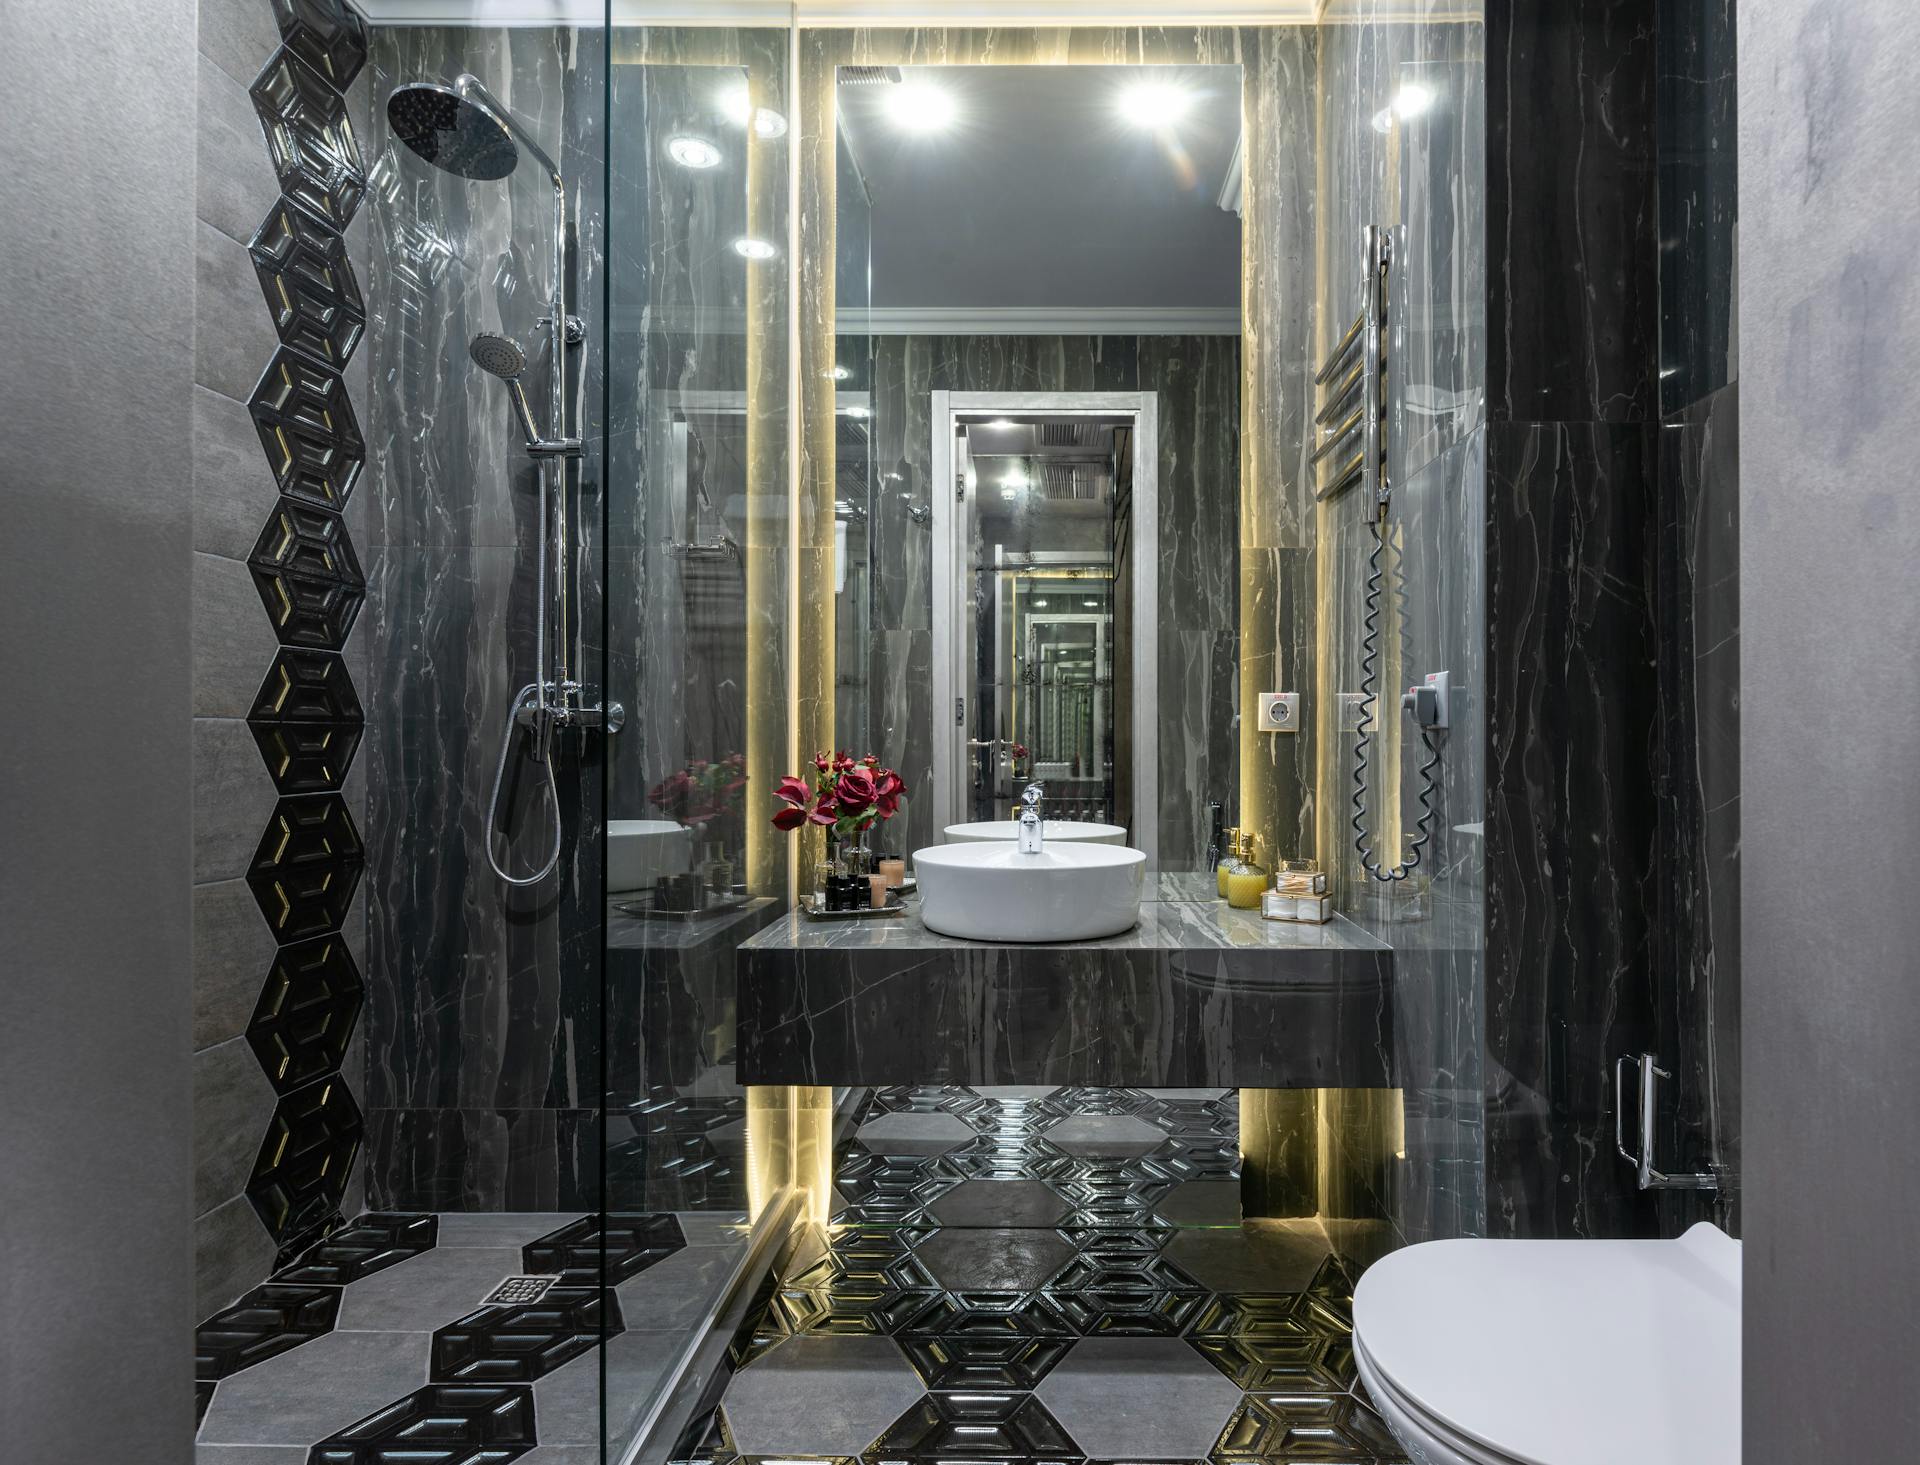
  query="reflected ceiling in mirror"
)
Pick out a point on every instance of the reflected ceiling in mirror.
point(1100, 195)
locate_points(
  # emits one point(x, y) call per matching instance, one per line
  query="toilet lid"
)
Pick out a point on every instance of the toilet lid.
point(1566, 1352)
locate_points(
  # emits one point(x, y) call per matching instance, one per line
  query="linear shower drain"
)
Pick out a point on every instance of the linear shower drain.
point(518, 1291)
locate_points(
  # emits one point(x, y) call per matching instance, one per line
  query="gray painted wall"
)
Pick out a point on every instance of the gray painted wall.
point(97, 228)
point(1830, 535)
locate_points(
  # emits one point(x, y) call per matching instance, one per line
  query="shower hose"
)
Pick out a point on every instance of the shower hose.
point(543, 755)
point(1369, 671)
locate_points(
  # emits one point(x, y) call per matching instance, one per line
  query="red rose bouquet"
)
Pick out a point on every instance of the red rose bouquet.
point(841, 793)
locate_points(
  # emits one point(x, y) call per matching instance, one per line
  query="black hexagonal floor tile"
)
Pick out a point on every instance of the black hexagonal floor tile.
point(268, 1321)
point(626, 1242)
point(442, 1424)
point(993, 1362)
point(369, 1244)
point(984, 1424)
point(1303, 1427)
point(518, 1344)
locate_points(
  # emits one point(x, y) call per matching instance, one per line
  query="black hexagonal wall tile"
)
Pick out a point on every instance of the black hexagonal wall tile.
point(202, 1397)
point(307, 721)
point(508, 1344)
point(307, 576)
point(306, 1012)
point(622, 1243)
point(442, 1424)
point(306, 425)
point(308, 281)
point(310, 138)
point(307, 867)
point(370, 1244)
point(268, 1321)
point(301, 1171)
point(329, 35)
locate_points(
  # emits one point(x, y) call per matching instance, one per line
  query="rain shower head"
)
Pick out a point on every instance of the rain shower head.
point(500, 356)
point(452, 130)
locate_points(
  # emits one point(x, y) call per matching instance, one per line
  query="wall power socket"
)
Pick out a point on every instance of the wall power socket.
point(1280, 712)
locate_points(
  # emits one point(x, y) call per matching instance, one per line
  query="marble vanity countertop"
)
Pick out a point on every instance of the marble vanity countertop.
point(1178, 924)
point(1196, 995)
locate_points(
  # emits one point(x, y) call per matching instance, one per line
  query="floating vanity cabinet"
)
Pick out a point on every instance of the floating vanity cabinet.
point(1196, 996)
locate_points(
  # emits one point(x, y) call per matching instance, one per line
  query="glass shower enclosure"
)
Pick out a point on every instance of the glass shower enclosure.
point(528, 568)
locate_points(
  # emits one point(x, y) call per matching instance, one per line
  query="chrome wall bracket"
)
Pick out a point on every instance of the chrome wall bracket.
point(1650, 1178)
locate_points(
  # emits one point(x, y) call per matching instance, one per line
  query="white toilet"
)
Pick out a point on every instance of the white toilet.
point(1556, 1352)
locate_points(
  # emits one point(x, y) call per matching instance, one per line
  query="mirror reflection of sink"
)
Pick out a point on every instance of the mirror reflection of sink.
point(988, 891)
point(639, 851)
point(1073, 831)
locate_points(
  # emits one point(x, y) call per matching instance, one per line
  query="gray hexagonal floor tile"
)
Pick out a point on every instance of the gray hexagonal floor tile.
point(1000, 1203)
point(914, 1134)
point(993, 1259)
point(1105, 1134)
point(1139, 1399)
point(820, 1395)
point(1261, 1256)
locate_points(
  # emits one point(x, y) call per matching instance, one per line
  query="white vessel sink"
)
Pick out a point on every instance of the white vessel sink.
point(1073, 831)
point(639, 851)
point(988, 891)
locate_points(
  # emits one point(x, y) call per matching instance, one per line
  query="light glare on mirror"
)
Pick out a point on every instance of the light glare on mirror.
point(736, 105)
point(916, 106)
point(747, 247)
point(1155, 104)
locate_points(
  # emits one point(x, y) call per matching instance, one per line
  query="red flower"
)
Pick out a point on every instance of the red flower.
point(792, 791)
point(789, 818)
point(857, 790)
point(822, 761)
point(888, 791)
point(824, 812)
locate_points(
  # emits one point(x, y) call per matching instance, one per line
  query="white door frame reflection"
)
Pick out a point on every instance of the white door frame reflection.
point(952, 589)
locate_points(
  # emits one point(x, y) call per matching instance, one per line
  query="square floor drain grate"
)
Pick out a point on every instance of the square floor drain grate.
point(518, 1291)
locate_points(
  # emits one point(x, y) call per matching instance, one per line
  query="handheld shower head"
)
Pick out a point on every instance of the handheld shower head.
point(503, 357)
point(452, 131)
point(500, 356)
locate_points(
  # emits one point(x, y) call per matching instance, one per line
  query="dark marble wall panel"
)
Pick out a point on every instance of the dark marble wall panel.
point(483, 1002)
point(1197, 379)
point(1573, 300)
point(1699, 988)
point(1699, 346)
point(1573, 706)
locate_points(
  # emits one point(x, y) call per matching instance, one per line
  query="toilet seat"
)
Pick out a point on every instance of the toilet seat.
point(1557, 1352)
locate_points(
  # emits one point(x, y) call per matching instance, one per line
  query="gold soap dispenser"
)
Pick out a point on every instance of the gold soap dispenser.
point(1246, 880)
point(1229, 852)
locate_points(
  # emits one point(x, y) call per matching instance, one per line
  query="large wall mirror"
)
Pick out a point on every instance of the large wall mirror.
point(1036, 440)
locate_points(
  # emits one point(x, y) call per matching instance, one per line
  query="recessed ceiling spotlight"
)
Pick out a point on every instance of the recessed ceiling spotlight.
point(1383, 120)
point(1012, 493)
point(918, 106)
point(857, 411)
point(1041, 603)
point(839, 373)
point(768, 124)
point(1155, 104)
point(1411, 100)
point(1091, 604)
point(747, 247)
point(999, 424)
point(1015, 480)
point(693, 152)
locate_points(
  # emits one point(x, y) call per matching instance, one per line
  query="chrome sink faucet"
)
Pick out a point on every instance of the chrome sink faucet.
point(1032, 826)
